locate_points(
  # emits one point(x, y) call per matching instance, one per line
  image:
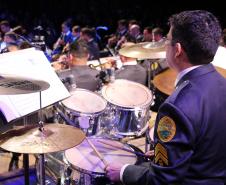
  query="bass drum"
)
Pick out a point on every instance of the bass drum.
point(128, 107)
point(83, 109)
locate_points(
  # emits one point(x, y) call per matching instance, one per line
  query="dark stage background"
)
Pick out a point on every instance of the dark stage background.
point(51, 13)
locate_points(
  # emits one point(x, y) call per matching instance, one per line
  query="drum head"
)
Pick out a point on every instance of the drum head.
point(82, 157)
point(125, 93)
point(85, 101)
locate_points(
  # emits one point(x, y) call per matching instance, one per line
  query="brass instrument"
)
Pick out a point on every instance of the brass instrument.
point(107, 62)
point(97, 66)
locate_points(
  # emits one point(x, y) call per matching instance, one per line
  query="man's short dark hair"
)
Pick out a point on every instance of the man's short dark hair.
point(78, 49)
point(198, 32)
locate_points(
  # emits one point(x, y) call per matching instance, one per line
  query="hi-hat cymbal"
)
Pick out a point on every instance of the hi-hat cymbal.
point(12, 85)
point(165, 80)
point(145, 50)
point(30, 140)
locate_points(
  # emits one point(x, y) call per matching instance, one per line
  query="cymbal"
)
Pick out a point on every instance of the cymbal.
point(145, 50)
point(55, 137)
point(165, 80)
point(12, 85)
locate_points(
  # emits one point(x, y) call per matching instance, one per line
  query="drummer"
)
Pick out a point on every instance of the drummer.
point(190, 127)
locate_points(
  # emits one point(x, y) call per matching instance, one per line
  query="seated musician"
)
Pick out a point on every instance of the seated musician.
point(190, 126)
point(130, 69)
point(84, 76)
point(65, 38)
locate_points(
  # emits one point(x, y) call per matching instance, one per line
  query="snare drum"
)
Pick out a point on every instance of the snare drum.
point(130, 102)
point(91, 168)
point(83, 109)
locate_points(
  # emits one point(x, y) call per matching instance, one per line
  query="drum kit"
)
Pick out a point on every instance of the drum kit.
point(79, 150)
point(87, 113)
point(86, 108)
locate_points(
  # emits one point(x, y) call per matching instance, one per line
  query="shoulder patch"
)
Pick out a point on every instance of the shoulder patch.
point(166, 129)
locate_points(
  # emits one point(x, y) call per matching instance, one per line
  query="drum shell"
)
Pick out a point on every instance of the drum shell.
point(89, 122)
point(126, 121)
point(128, 107)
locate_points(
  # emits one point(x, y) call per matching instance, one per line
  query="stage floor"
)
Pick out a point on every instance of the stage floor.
point(16, 177)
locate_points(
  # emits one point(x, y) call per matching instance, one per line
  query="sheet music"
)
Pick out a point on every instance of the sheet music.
point(33, 64)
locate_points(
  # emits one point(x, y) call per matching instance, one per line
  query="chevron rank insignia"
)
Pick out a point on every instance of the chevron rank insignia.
point(161, 156)
point(166, 129)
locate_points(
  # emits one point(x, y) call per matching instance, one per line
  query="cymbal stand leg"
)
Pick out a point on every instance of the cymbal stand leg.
point(26, 161)
point(149, 75)
point(42, 169)
point(41, 123)
point(41, 156)
point(26, 168)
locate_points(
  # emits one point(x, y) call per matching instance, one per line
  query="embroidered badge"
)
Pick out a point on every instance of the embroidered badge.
point(166, 129)
point(161, 156)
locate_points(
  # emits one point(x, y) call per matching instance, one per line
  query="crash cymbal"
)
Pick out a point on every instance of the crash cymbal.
point(145, 50)
point(30, 140)
point(12, 85)
point(165, 80)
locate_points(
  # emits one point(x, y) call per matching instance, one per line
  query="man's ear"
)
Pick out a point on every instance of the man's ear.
point(178, 49)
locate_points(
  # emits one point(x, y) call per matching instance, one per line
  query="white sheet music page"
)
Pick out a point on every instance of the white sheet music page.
point(32, 64)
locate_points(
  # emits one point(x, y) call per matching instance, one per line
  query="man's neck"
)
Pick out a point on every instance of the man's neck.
point(79, 62)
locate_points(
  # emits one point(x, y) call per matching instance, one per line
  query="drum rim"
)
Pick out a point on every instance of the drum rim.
point(131, 107)
point(93, 172)
point(78, 113)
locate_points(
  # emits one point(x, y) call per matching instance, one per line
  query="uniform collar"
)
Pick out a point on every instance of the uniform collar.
point(184, 72)
point(130, 63)
point(201, 70)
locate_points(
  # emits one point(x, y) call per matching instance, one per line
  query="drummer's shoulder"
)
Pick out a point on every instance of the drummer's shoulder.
point(181, 91)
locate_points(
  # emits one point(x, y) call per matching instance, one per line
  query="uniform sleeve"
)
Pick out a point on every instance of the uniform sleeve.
point(174, 138)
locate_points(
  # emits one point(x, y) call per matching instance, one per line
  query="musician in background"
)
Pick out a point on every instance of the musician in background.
point(189, 136)
point(5, 27)
point(147, 34)
point(83, 76)
point(130, 69)
point(65, 38)
point(12, 42)
point(88, 35)
point(157, 34)
point(122, 29)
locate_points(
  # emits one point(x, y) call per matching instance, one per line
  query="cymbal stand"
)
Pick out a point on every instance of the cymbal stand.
point(151, 75)
point(41, 156)
point(26, 161)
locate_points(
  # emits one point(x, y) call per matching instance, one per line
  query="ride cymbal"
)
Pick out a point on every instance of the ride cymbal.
point(31, 140)
point(145, 50)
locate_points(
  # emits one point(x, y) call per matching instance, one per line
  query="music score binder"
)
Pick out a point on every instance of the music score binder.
point(30, 63)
